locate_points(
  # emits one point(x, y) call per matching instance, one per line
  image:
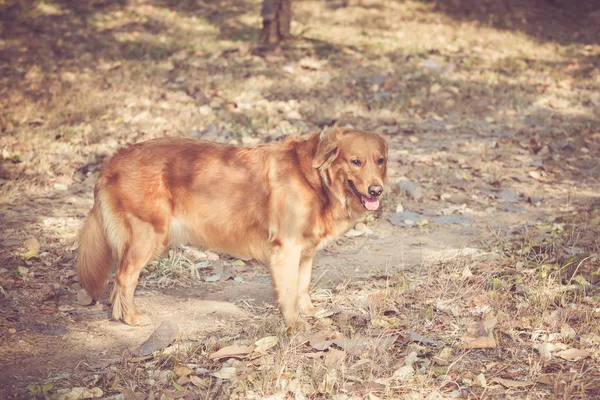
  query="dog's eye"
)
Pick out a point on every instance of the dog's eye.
point(356, 162)
point(380, 161)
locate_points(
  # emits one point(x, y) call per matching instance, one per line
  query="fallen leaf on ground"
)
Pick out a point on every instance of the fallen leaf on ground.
point(78, 393)
point(40, 388)
point(403, 373)
point(327, 313)
point(573, 354)
point(539, 176)
point(84, 298)
point(334, 358)
point(319, 337)
point(129, 394)
point(415, 337)
point(264, 344)
point(162, 337)
point(199, 382)
point(234, 351)
point(508, 383)
point(30, 254)
point(483, 327)
point(32, 244)
point(480, 380)
point(545, 349)
point(551, 379)
point(226, 373)
point(23, 271)
point(182, 370)
point(483, 342)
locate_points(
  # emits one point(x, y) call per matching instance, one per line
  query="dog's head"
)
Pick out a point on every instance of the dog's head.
point(353, 165)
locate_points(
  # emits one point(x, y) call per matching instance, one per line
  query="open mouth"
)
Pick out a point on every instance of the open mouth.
point(369, 203)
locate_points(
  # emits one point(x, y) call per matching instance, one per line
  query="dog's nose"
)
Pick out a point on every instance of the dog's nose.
point(375, 190)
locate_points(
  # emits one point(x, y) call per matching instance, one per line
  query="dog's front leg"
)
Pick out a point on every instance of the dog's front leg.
point(305, 274)
point(285, 261)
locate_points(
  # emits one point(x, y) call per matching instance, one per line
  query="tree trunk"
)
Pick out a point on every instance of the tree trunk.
point(277, 18)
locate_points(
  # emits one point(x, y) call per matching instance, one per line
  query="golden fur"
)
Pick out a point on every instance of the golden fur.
point(275, 203)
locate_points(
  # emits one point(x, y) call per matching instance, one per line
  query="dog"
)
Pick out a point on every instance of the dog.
point(276, 203)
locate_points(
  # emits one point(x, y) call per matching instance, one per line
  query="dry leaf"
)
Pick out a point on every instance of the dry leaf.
point(233, 351)
point(403, 373)
point(264, 344)
point(162, 337)
point(573, 354)
point(321, 344)
point(508, 383)
point(334, 358)
point(226, 373)
point(539, 176)
point(32, 244)
point(551, 379)
point(483, 342)
point(77, 393)
point(480, 380)
point(319, 337)
point(199, 382)
point(568, 332)
point(182, 370)
point(545, 349)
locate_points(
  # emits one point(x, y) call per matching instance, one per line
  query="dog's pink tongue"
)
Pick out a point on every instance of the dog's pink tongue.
point(371, 204)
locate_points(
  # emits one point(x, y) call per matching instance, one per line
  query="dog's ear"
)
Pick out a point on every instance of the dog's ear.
point(329, 147)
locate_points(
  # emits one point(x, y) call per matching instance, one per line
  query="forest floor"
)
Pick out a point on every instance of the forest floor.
point(479, 278)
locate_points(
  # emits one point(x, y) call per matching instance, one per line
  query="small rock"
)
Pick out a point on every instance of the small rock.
point(458, 199)
point(213, 278)
point(84, 298)
point(412, 189)
point(353, 233)
point(46, 291)
point(361, 227)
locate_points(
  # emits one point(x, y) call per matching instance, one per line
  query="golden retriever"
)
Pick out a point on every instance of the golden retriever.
point(276, 203)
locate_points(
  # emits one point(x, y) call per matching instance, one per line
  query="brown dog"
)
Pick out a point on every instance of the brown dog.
point(275, 203)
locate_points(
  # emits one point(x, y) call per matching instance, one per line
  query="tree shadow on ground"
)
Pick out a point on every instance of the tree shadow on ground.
point(61, 36)
point(560, 21)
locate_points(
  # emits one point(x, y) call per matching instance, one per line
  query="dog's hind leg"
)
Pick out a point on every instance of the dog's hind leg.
point(144, 243)
point(284, 265)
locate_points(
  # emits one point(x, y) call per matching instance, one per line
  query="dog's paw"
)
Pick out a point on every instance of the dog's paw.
point(312, 311)
point(137, 319)
point(300, 326)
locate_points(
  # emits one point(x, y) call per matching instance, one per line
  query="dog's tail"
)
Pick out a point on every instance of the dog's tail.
point(95, 255)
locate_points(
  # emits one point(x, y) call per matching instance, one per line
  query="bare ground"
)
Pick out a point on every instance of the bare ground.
point(491, 112)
